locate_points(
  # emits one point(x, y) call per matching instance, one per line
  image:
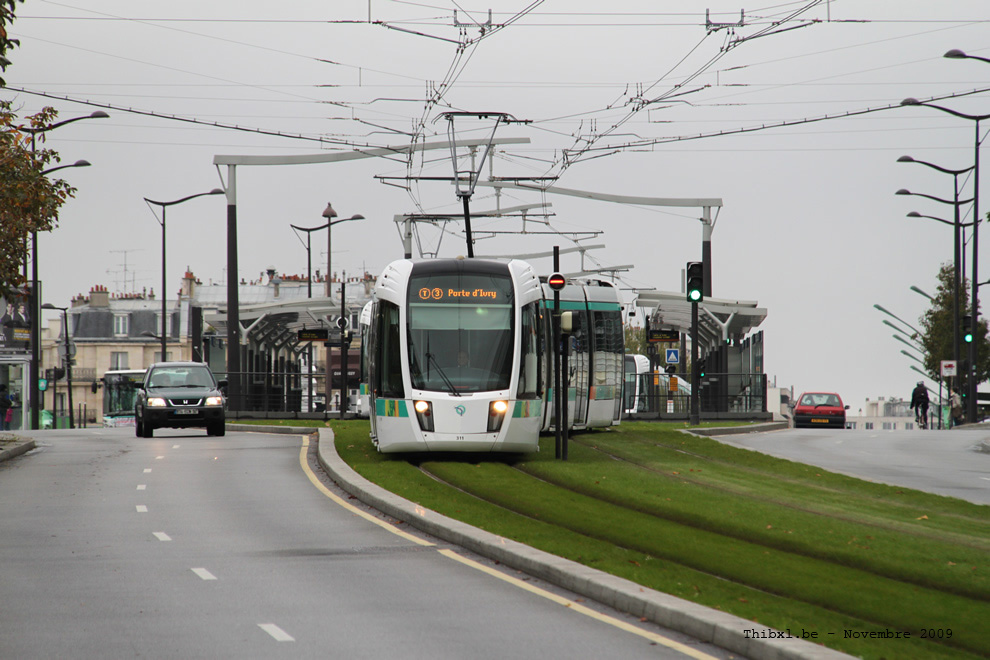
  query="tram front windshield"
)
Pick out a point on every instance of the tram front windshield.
point(460, 332)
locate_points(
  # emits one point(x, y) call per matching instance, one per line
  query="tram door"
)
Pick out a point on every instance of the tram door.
point(579, 368)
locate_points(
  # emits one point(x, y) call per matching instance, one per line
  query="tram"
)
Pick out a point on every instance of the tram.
point(119, 396)
point(637, 383)
point(459, 356)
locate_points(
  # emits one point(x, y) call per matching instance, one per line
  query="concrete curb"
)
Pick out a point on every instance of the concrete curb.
point(738, 430)
point(14, 449)
point(703, 623)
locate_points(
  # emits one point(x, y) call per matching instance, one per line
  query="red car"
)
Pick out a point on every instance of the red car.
point(820, 409)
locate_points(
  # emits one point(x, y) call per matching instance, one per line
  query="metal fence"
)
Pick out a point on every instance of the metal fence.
point(726, 395)
point(271, 392)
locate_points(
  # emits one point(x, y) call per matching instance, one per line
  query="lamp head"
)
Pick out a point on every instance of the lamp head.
point(914, 214)
point(903, 191)
point(99, 114)
point(328, 212)
point(910, 101)
point(955, 54)
point(905, 159)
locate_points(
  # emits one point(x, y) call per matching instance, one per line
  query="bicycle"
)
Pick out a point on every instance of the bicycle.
point(921, 417)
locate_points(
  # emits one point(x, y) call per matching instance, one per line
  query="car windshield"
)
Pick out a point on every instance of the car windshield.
point(181, 376)
point(820, 400)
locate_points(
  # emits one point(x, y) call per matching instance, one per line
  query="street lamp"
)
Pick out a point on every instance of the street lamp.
point(35, 293)
point(957, 249)
point(329, 213)
point(78, 163)
point(68, 357)
point(164, 205)
point(976, 119)
point(956, 54)
point(889, 313)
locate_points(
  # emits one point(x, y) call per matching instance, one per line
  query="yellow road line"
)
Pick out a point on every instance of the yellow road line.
point(347, 505)
point(450, 554)
point(581, 609)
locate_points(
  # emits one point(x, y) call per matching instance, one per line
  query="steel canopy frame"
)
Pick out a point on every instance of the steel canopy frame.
point(705, 203)
point(234, 371)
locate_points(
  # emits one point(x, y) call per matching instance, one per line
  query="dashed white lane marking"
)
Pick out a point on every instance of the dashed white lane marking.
point(175, 446)
point(162, 536)
point(204, 574)
point(276, 632)
point(141, 508)
point(142, 487)
point(158, 458)
point(147, 470)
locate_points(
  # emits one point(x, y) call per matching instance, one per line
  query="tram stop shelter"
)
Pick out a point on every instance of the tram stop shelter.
point(730, 353)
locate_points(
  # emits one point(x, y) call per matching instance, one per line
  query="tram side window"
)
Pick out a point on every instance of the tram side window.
point(389, 351)
point(609, 347)
point(531, 352)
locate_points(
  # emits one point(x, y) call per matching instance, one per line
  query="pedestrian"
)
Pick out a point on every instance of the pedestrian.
point(955, 401)
point(6, 411)
point(919, 404)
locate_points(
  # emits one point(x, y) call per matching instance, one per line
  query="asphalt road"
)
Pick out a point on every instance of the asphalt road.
point(188, 546)
point(943, 462)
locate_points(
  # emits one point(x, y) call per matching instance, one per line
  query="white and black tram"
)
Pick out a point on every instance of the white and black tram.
point(460, 358)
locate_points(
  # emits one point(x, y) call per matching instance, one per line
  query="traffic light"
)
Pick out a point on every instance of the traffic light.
point(967, 328)
point(695, 281)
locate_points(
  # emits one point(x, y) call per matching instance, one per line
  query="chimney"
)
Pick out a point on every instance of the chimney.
point(99, 296)
point(188, 284)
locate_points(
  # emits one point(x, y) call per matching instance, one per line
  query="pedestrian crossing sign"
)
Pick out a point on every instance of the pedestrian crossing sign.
point(673, 356)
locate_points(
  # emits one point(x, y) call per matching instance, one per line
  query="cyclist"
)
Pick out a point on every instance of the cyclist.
point(919, 403)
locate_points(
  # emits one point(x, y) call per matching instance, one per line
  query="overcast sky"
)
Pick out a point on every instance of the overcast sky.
point(810, 227)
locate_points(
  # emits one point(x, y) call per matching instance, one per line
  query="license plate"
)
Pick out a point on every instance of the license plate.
point(819, 421)
point(185, 411)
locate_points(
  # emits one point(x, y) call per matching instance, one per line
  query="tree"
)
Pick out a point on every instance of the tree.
point(635, 339)
point(6, 18)
point(937, 327)
point(29, 201)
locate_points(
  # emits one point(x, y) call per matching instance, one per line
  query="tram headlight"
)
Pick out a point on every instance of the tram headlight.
point(424, 413)
point(496, 413)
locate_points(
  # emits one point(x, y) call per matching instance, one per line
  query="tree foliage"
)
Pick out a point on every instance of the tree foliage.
point(937, 328)
point(6, 18)
point(635, 339)
point(29, 200)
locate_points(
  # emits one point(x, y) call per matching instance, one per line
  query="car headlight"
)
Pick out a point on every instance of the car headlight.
point(496, 413)
point(156, 402)
point(214, 400)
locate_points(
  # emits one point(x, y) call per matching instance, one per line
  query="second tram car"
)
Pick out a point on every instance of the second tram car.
point(459, 356)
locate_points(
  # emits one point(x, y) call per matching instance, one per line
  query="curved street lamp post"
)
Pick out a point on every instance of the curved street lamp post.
point(165, 330)
point(35, 368)
point(976, 119)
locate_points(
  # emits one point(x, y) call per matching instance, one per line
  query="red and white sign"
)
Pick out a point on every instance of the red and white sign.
point(948, 368)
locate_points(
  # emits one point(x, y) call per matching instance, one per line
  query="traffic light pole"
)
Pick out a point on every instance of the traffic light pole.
point(695, 374)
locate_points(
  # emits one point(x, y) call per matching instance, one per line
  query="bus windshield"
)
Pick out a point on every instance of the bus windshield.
point(460, 332)
point(119, 395)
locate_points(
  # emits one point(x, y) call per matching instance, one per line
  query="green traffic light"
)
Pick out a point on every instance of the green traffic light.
point(694, 295)
point(968, 337)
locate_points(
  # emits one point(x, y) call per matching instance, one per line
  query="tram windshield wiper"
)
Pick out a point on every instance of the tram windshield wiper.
point(431, 358)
